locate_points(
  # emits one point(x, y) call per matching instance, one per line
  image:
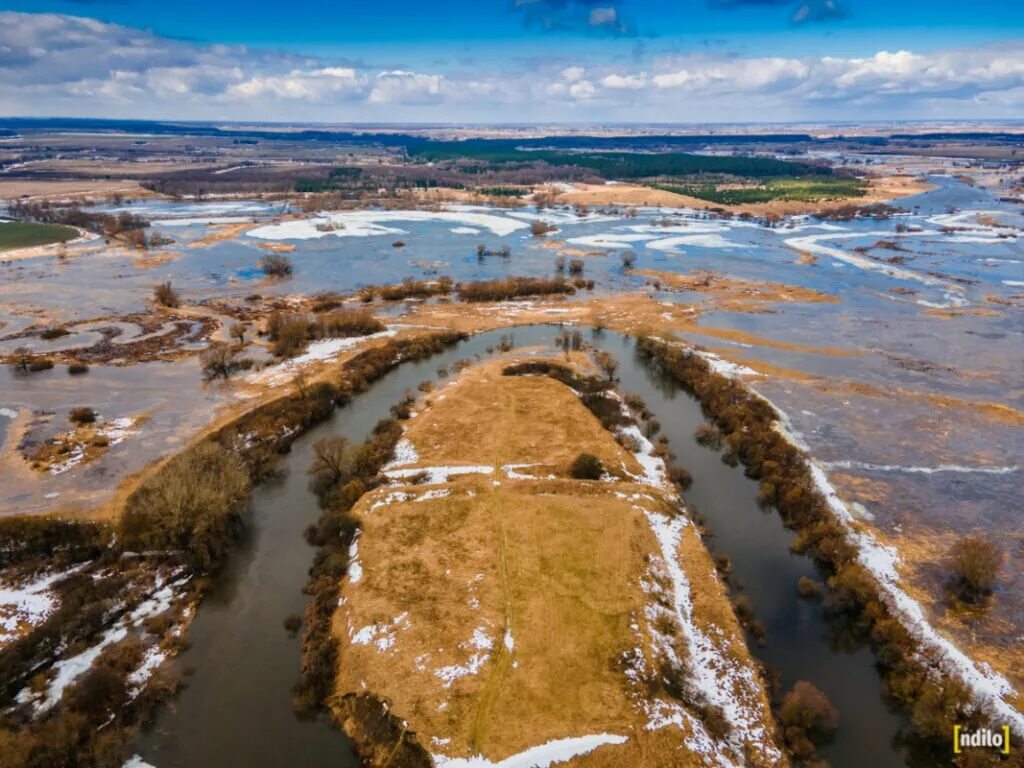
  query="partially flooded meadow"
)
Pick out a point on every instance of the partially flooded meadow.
point(891, 344)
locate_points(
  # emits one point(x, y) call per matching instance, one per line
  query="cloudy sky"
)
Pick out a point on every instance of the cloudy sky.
point(513, 60)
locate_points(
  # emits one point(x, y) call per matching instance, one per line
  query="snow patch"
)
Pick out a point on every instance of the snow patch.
point(542, 756)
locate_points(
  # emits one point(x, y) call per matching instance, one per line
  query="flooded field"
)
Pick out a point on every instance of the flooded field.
point(903, 379)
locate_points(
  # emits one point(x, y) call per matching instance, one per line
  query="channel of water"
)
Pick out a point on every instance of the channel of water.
point(236, 706)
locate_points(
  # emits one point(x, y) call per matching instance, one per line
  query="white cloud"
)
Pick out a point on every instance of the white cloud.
point(309, 85)
point(54, 64)
point(406, 88)
point(625, 82)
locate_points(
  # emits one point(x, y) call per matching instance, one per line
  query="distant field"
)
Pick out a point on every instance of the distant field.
point(20, 234)
point(804, 190)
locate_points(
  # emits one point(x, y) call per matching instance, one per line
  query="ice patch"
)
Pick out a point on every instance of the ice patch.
point(372, 223)
point(318, 351)
point(696, 241)
point(918, 470)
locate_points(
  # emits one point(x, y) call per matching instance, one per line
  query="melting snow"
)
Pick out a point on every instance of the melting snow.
point(542, 756)
point(720, 679)
point(28, 604)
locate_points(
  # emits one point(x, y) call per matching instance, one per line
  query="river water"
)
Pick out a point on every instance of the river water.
point(236, 709)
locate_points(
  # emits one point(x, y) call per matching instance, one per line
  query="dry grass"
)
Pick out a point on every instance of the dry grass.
point(555, 562)
point(881, 189)
point(221, 233)
point(734, 293)
point(487, 418)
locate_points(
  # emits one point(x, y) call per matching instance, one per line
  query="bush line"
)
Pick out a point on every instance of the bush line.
point(935, 700)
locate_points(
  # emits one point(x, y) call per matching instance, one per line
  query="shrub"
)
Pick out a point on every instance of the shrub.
point(576, 267)
point(53, 333)
point(808, 719)
point(510, 288)
point(21, 359)
point(82, 415)
point(288, 334)
point(344, 322)
point(586, 466)
point(292, 623)
point(975, 564)
point(218, 361)
point(682, 479)
point(276, 265)
point(77, 369)
point(808, 588)
point(40, 364)
point(709, 436)
point(628, 259)
point(165, 295)
point(193, 504)
point(540, 228)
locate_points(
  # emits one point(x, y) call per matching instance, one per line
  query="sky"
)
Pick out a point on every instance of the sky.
point(487, 61)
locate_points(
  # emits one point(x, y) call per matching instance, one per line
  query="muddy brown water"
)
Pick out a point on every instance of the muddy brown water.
point(236, 708)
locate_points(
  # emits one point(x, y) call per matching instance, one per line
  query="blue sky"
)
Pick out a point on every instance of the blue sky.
point(573, 60)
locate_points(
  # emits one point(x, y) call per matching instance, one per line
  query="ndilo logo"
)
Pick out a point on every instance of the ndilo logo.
point(981, 738)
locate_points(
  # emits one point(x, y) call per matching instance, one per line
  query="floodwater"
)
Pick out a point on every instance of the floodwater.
point(918, 421)
point(236, 707)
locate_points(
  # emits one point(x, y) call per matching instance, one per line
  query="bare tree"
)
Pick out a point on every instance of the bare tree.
point(218, 362)
point(330, 459)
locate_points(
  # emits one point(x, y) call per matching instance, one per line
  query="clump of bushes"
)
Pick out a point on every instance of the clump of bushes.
point(410, 289)
point(291, 333)
point(276, 265)
point(511, 288)
point(82, 415)
point(194, 504)
point(809, 588)
point(586, 466)
point(219, 361)
point(808, 720)
point(344, 322)
point(540, 228)
point(77, 369)
point(53, 333)
point(975, 564)
point(709, 436)
point(165, 295)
